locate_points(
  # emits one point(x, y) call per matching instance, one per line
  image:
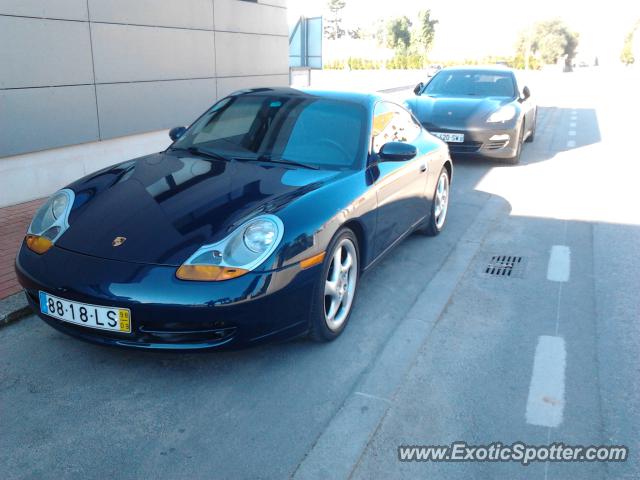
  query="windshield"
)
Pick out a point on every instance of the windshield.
point(471, 83)
point(307, 130)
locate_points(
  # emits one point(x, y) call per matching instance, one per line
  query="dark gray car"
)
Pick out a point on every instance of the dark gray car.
point(478, 111)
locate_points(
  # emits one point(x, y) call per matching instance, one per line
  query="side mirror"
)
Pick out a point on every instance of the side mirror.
point(526, 93)
point(397, 152)
point(418, 88)
point(176, 132)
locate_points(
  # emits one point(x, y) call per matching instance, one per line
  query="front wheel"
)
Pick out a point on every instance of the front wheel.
point(440, 205)
point(516, 158)
point(336, 289)
point(532, 135)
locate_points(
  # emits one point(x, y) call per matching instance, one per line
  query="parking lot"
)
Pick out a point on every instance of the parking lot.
point(438, 349)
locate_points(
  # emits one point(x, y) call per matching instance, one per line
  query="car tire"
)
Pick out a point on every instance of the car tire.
point(532, 135)
point(325, 324)
point(437, 219)
point(516, 158)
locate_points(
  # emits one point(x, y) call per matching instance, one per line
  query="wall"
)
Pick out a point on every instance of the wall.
point(77, 71)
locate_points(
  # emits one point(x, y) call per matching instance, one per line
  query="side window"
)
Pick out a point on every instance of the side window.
point(408, 128)
point(392, 123)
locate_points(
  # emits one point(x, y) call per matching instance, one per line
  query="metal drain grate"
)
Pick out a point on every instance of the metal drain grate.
point(505, 266)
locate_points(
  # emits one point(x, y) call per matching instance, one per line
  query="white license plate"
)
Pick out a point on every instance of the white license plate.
point(93, 316)
point(449, 137)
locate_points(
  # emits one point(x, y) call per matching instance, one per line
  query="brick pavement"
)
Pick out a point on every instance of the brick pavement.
point(14, 221)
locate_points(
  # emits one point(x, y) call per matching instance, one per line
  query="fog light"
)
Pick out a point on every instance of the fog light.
point(499, 138)
point(38, 244)
point(208, 273)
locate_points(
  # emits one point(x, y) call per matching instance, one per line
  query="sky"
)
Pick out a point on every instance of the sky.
point(470, 29)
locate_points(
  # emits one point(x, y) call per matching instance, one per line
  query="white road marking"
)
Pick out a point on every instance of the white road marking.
point(559, 268)
point(373, 397)
point(571, 143)
point(572, 133)
point(545, 404)
point(572, 125)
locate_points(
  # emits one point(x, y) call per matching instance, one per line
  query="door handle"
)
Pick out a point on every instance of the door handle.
point(423, 168)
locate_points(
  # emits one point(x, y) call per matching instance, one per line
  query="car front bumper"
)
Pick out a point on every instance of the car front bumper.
point(168, 313)
point(498, 143)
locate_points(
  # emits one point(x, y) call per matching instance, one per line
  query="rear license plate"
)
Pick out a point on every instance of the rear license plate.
point(449, 137)
point(93, 316)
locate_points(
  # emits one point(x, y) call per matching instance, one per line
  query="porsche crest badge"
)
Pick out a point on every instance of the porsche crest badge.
point(118, 241)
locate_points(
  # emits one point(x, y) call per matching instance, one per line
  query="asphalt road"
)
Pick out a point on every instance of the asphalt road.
point(436, 350)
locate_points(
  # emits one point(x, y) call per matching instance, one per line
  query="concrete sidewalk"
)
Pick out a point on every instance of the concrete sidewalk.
point(14, 221)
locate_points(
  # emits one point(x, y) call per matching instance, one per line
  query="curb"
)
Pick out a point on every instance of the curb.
point(13, 308)
point(396, 89)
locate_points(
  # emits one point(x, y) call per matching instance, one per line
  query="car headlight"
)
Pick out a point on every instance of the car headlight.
point(50, 221)
point(259, 236)
point(240, 252)
point(503, 114)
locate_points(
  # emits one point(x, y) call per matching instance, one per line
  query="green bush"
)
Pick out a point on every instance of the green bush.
point(406, 62)
point(353, 63)
point(518, 62)
point(410, 61)
point(334, 65)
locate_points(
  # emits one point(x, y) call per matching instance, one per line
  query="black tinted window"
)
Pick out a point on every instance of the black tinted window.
point(472, 83)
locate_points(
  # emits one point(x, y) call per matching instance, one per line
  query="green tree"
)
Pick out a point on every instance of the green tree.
point(379, 32)
point(425, 32)
point(399, 33)
point(524, 46)
point(333, 28)
point(548, 40)
point(553, 39)
point(627, 56)
point(356, 33)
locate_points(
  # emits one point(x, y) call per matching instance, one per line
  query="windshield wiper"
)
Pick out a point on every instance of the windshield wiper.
point(269, 158)
point(204, 153)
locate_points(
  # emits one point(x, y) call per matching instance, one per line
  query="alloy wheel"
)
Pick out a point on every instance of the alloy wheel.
point(340, 284)
point(442, 200)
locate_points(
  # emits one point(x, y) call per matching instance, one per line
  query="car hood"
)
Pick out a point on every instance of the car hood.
point(167, 205)
point(455, 112)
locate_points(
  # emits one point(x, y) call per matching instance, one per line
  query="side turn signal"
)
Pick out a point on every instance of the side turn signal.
point(38, 244)
point(312, 261)
point(208, 273)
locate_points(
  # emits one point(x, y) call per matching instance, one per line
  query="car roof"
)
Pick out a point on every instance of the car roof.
point(480, 68)
point(365, 99)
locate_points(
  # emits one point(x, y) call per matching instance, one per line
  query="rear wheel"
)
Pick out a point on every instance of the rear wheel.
point(440, 205)
point(336, 290)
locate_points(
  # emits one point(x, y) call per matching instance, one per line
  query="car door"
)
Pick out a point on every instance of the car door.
point(400, 186)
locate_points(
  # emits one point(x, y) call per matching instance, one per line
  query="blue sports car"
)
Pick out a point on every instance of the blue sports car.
point(254, 225)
